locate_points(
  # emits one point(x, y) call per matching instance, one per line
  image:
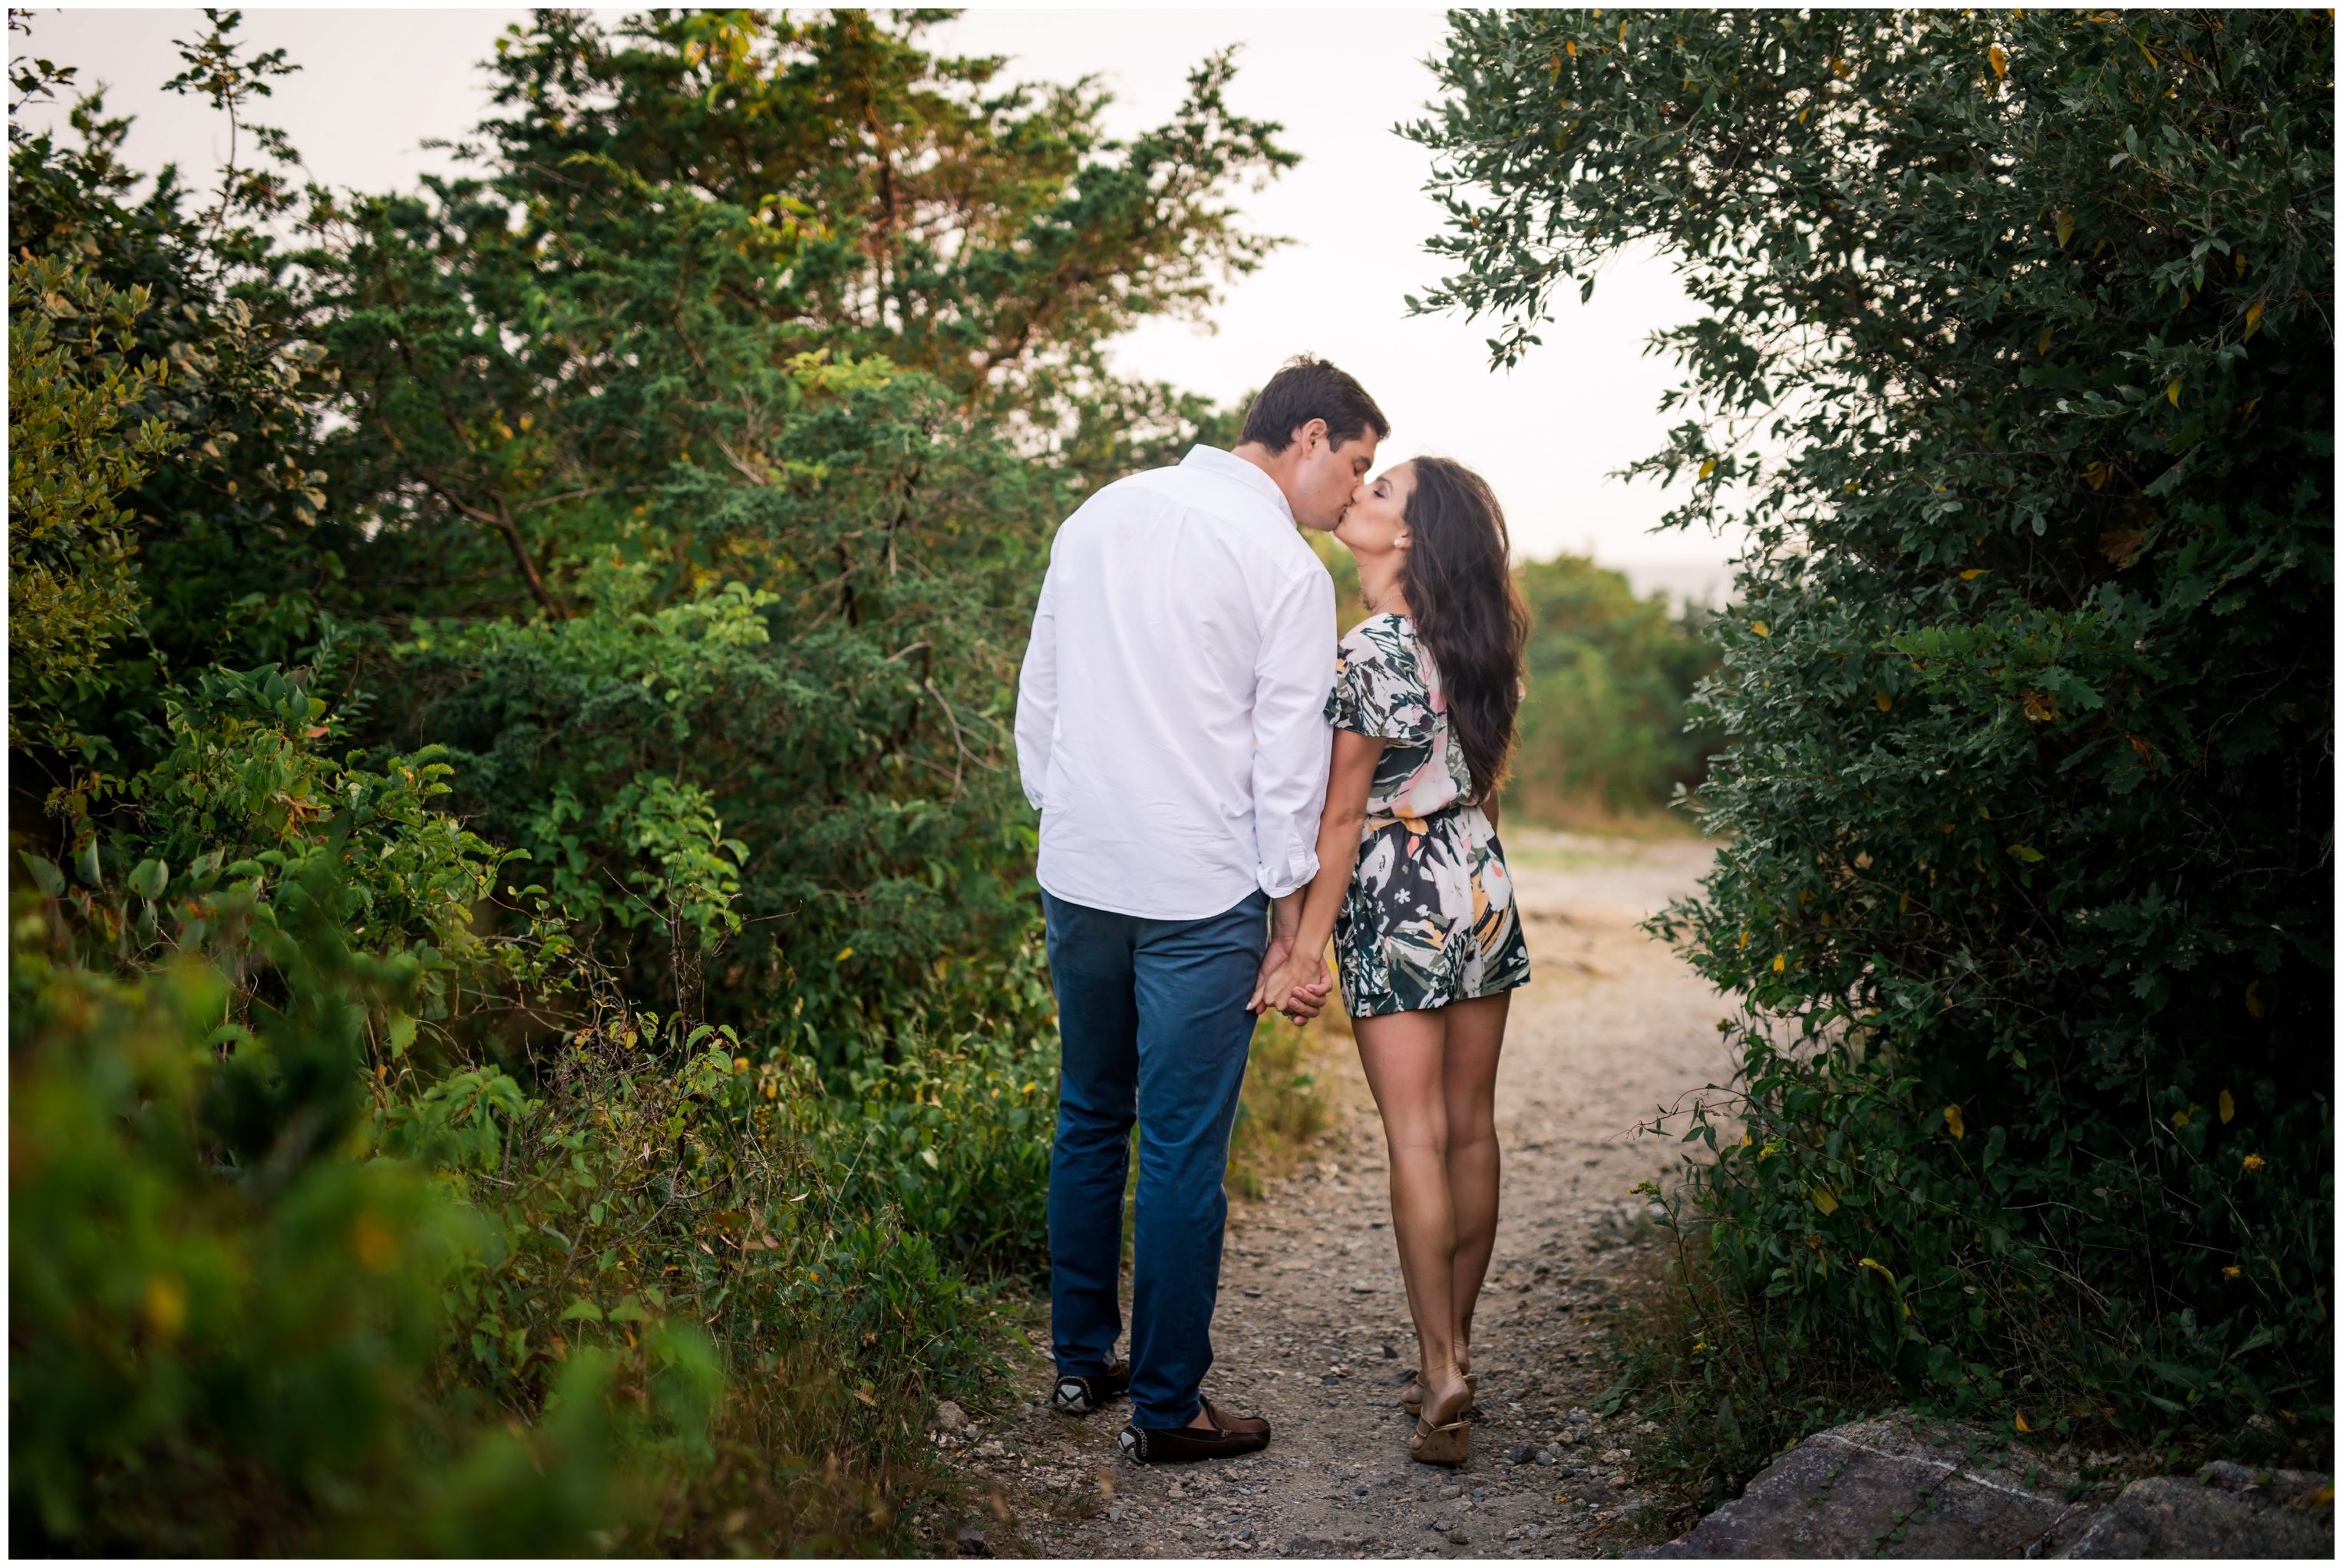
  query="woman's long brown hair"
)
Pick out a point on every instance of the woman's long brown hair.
point(1458, 582)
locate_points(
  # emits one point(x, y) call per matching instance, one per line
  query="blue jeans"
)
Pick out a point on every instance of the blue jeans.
point(1153, 1028)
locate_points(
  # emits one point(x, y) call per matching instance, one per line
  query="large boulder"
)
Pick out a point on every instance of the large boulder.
point(1905, 1486)
point(1893, 1487)
point(2224, 1511)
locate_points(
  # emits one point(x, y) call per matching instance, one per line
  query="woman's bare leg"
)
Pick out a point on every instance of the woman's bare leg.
point(1475, 1037)
point(1403, 1054)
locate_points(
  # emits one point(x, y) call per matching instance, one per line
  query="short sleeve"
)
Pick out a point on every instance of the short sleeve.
point(1379, 689)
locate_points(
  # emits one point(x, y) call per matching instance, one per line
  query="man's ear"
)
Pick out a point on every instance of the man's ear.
point(1313, 434)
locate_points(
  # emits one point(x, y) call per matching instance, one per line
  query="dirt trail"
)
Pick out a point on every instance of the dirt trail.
point(1312, 1329)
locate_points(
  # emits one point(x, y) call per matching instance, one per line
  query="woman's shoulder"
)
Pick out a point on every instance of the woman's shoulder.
point(1389, 637)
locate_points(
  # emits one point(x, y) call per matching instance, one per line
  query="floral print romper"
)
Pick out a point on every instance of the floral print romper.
point(1430, 917)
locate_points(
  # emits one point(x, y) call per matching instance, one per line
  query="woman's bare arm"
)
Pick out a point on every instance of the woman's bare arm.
point(1347, 783)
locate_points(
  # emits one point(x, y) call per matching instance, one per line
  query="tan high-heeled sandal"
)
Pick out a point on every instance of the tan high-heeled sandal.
point(1444, 1443)
point(1449, 1444)
point(1411, 1398)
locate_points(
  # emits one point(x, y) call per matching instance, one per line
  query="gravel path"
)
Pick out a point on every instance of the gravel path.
point(1312, 1329)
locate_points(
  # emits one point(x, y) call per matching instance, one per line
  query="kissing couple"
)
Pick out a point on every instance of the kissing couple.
point(1224, 789)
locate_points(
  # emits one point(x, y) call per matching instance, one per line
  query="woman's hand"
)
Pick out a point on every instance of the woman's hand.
point(1281, 947)
point(1297, 989)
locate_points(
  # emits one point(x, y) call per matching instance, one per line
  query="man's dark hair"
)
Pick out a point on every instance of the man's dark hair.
point(1307, 389)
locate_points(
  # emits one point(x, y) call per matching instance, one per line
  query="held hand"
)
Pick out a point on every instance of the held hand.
point(1271, 961)
point(1308, 996)
point(1299, 988)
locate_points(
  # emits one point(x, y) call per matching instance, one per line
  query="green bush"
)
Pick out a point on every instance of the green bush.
point(2016, 337)
point(821, 797)
point(526, 964)
point(957, 1135)
point(224, 1321)
point(654, 1178)
point(1610, 677)
point(278, 1230)
point(73, 449)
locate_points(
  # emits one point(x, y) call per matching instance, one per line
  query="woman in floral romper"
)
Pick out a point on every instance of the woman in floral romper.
point(1413, 890)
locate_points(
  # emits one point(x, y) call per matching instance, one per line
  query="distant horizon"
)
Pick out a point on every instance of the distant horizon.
point(377, 84)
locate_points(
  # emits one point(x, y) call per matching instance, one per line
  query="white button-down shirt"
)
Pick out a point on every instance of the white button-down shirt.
point(1171, 723)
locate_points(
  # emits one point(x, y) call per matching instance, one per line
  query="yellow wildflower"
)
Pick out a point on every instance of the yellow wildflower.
point(2255, 1163)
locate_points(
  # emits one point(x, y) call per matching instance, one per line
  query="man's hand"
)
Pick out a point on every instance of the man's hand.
point(1297, 988)
point(1281, 947)
point(1304, 984)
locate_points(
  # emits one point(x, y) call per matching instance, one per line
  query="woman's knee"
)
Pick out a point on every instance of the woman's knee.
point(1421, 1151)
point(1417, 1135)
point(1472, 1136)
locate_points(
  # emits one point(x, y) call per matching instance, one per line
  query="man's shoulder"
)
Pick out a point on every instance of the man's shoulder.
point(1163, 481)
point(1201, 487)
point(1142, 491)
point(1186, 488)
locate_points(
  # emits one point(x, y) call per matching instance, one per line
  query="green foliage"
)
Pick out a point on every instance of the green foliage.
point(829, 736)
point(244, 782)
point(895, 203)
point(529, 980)
point(656, 1179)
point(731, 366)
point(958, 1136)
point(232, 1322)
point(1610, 675)
point(71, 588)
point(226, 532)
point(2017, 341)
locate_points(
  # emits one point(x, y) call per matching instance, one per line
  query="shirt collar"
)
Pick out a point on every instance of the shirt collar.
point(1227, 465)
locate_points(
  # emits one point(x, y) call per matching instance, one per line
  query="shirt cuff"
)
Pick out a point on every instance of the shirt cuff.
point(1301, 866)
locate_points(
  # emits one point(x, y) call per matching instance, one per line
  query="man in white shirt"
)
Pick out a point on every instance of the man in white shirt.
point(1170, 732)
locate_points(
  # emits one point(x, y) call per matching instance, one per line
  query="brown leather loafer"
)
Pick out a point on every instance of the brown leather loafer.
point(1227, 1437)
point(1251, 1425)
point(1082, 1395)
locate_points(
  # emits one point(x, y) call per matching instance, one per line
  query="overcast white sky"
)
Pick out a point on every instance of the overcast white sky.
point(377, 84)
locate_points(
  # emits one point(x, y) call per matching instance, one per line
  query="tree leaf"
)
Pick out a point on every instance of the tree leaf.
point(45, 873)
